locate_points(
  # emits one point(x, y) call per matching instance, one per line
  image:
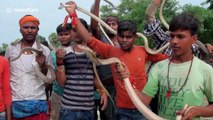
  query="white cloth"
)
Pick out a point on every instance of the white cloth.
point(24, 82)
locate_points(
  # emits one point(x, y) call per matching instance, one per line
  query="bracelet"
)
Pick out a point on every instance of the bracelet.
point(73, 17)
point(60, 69)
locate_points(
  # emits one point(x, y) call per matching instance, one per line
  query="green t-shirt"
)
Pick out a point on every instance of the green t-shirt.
point(198, 85)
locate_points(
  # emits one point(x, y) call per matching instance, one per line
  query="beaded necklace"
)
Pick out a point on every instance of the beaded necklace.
point(85, 69)
point(168, 94)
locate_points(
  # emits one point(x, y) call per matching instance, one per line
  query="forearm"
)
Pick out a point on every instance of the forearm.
point(97, 84)
point(144, 98)
point(151, 10)
point(85, 35)
point(8, 113)
point(94, 23)
point(60, 75)
point(206, 111)
point(82, 31)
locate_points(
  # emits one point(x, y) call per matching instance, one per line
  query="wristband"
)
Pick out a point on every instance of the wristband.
point(73, 17)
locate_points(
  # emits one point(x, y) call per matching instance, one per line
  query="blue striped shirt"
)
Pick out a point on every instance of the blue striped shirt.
point(78, 91)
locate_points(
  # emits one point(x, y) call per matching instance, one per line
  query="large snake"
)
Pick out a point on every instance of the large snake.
point(146, 45)
point(43, 77)
point(133, 96)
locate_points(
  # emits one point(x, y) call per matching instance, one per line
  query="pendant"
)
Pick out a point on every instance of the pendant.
point(168, 94)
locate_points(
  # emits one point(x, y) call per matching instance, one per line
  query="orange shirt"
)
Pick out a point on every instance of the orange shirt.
point(5, 91)
point(134, 60)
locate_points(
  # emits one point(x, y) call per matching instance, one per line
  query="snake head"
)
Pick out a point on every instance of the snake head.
point(62, 5)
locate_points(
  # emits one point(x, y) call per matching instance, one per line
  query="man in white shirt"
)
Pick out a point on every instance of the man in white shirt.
point(28, 89)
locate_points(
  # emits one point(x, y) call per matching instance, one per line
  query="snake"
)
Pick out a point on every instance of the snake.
point(146, 45)
point(201, 46)
point(130, 90)
point(43, 77)
point(91, 55)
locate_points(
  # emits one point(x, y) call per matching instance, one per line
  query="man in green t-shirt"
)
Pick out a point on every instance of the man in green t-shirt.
point(182, 79)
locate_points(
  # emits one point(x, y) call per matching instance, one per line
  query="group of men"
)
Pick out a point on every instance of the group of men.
point(177, 79)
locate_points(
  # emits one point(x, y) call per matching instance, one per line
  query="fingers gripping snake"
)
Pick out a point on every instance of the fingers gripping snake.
point(43, 77)
point(146, 45)
point(133, 96)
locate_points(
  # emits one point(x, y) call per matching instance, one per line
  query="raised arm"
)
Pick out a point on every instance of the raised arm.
point(78, 25)
point(94, 24)
point(151, 10)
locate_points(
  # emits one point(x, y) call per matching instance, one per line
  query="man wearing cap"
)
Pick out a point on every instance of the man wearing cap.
point(28, 90)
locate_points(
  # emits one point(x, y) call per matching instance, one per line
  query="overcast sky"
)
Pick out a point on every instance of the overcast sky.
point(46, 11)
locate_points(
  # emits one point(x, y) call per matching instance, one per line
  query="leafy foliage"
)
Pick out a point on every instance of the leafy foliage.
point(54, 40)
point(206, 17)
point(135, 10)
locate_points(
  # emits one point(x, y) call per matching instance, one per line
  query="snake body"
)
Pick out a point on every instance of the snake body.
point(38, 71)
point(146, 45)
point(133, 96)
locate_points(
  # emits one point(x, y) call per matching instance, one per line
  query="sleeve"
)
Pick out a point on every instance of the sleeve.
point(49, 59)
point(154, 29)
point(208, 89)
point(99, 47)
point(7, 96)
point(151, 86)
point(157, 57)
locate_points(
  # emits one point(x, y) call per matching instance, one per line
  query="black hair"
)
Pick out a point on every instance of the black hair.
point(84, 23)
point(127, 25)
point(185, 21)
point(67, 27)
point(111, 18)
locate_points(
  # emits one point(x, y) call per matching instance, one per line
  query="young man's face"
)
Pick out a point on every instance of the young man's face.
point(64, 38)
point(181, 42)
point(29, 31)
point(113, 24)
point(126, 40)
point(76, 37)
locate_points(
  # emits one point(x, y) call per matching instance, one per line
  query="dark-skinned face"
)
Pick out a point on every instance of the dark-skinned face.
point(29, 31)
point(181, 42)
point(64, 38)
point(126, 40)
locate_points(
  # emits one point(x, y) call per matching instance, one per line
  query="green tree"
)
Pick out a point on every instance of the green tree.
point(54, 40)
point(210, 2)
point(135, 10)
point(206, 17)
point(3, 48)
